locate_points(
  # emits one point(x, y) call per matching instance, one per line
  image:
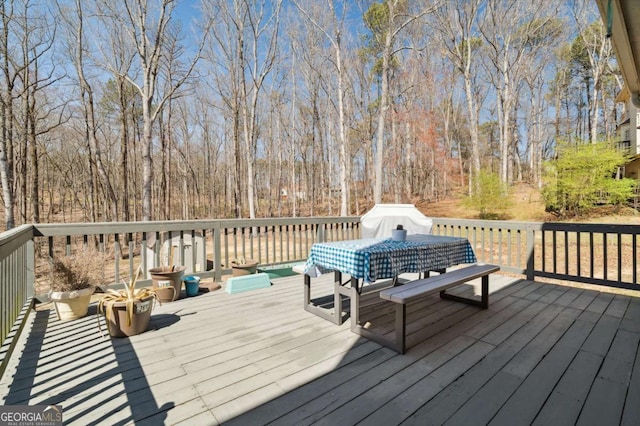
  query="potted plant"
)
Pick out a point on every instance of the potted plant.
point(73, 279)
point(127, 311)
point(167, 282)
point(241, 266)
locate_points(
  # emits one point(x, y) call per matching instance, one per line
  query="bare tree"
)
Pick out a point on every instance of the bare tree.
point(541, 45)
point(508, 29)
point(124, 100)
point(387, 20)
point(592, 48)
point(77, 46)
point(6, 144)
point(26, 42)
point(456, 26)
point(246, 38)
point(263, 27)
point(38, 113)
point(149, 31)
point(333, 30)
point(312, 87)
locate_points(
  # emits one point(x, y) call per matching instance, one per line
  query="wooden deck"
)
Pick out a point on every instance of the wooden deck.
point(542, 353)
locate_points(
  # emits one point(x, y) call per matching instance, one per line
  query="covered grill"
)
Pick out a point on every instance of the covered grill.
point(382, 218)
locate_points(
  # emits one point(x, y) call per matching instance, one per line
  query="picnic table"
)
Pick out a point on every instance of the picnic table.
point(370, 259)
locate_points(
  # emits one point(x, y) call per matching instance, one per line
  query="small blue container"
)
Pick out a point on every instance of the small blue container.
point(192, 285)
point(398, 234)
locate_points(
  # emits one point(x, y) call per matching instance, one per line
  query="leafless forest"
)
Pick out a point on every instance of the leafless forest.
point(161, 109)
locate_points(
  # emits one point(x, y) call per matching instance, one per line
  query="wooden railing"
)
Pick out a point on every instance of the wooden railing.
point(205, 247)
point(589, 253)
point(16, 286)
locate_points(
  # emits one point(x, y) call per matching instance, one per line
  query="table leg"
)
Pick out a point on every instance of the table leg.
point(335, 317)
point(337, 297)
point(354, 299)
point(307, 290)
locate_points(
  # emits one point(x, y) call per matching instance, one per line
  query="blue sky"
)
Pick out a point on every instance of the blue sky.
point(186, 11)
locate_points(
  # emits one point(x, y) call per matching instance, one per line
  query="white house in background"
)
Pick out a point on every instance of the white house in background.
point(301, 195)
point(628, 133)
point(622, 20)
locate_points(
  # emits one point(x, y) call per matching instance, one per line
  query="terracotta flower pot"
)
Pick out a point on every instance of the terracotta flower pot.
point(167, 280)
point(117, 322)
point(71, 305)
point(249, 267)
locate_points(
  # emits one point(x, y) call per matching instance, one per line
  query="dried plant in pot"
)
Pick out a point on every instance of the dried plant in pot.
point(127, 311)
point(241, 266)
point(73, 279)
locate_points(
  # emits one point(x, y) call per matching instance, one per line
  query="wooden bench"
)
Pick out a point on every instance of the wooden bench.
point(419, 289)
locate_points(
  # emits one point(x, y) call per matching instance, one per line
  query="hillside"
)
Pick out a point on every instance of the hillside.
point(527, 206)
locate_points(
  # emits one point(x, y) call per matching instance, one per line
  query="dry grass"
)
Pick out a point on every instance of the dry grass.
point(81, 270)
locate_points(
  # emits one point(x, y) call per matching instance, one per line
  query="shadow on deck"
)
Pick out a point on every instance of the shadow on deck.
point(542, 353)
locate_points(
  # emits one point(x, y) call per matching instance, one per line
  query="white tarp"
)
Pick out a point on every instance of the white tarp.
point(382, 218)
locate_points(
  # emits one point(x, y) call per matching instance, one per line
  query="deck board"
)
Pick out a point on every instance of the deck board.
point(531, 388)
point(541, 353)
point(447, 402)
point(631, 412)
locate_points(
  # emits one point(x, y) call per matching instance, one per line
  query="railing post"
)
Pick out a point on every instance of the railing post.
point(530, 253)
point(320, 233)
point(217, 255)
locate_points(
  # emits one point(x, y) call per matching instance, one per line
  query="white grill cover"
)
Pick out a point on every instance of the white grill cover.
point(382, 218)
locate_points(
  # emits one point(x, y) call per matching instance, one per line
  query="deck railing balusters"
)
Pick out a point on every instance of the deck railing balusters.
point(566, 252)
point(605, 256)
point(634, 250)
point(619, 256)
point(143, 254)
point(578, 252)
point(116, 254)
point(287, 241)
point(544, 249)
point(131, 245)
point(555, 251)
point(156, 246)
point(591, 258)
point(180, 249)
point(226, 246)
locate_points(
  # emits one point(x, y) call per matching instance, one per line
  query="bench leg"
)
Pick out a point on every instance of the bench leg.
point(401, 329)
point(398, 344)
point(485, 292)
point(484, 298)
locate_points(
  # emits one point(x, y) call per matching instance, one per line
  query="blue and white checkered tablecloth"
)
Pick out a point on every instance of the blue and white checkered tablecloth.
point(371, 259)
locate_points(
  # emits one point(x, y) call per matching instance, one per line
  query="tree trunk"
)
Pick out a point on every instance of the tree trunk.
point(6, 144)
point(124, 148)
point(147, 161)
point(86, 93)
point(344, 176)
point(34, 162)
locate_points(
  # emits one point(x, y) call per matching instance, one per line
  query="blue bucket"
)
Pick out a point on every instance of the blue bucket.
point(192, 284)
